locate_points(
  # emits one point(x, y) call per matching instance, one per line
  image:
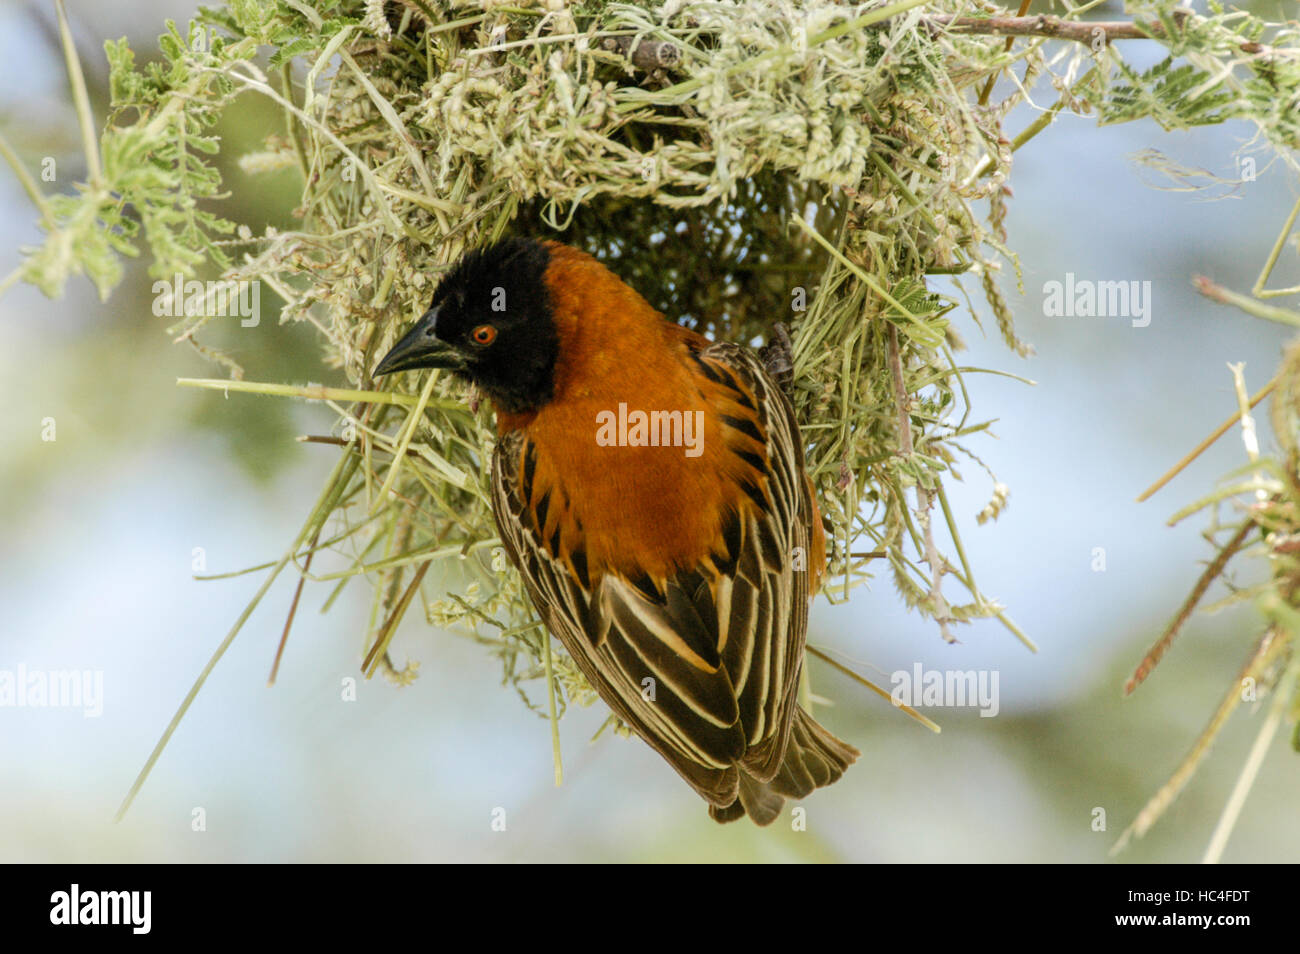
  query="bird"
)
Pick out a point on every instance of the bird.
point(673, 557)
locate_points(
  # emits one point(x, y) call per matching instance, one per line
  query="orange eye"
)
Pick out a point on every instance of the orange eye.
point(484, 334)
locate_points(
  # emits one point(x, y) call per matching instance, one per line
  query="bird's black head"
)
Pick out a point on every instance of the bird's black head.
point(490, 322)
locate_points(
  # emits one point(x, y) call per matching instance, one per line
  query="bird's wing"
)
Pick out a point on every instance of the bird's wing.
point(767, 605)
point(703, 665)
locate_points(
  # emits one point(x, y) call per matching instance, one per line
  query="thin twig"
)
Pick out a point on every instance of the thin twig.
point(293, 606)
point(1212, 573)
point(390, 625)
point(407, 432)
point(1246, 780)
point(1045, 119)
point(550, 707)
point(1226, 296)
point(924, 499)
point(1265, 653)
point(1080, 31)
point(80, 98)
point(988, 87)
point(309, 392)
point(1200, 448)
point(340, 442)
point(29, 184)
point(334, 488)
point(1259, 291)
point(813, 650)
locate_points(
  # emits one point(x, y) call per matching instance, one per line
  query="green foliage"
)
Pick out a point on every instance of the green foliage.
point(154, 174)
point(1228, 65)
point(1177, 97)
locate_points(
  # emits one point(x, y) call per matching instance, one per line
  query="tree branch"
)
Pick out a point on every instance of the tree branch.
point(652, 55)
point(1080, 31)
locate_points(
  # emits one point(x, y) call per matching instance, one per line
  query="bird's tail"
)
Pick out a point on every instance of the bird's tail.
point(813, 759)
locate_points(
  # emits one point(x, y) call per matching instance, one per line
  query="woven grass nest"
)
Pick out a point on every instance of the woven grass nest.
point(738, 164)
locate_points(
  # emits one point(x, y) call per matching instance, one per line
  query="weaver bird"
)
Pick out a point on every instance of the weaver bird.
point(676, 572)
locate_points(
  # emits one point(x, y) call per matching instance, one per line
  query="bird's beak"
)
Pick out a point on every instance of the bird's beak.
point(420, 348)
